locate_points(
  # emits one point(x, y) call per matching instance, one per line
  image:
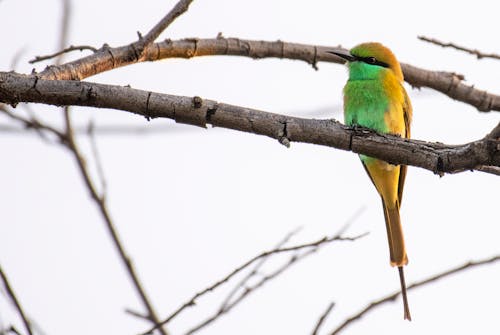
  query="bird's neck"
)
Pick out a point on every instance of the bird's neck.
point(363, 71)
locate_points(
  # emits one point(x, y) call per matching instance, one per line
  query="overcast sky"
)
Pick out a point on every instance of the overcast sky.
point(193, 204)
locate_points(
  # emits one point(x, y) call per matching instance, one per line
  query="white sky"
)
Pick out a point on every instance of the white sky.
point(192, 204)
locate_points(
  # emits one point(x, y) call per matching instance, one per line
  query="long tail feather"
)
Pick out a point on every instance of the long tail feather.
point(407, 315)
point(395, 236)
point(397, 249)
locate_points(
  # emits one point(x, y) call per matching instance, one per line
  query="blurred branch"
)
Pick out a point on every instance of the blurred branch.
point(474, 52)
point(435, 157)
point(17, 58)
point(105, 59)
point(15, 301)
point(32, 123)
point(322, 318)
point(67, 139)
point(311, 246)
point(64, 31)
point(97, 159)
point(100, 199)
point(467, 266)
point(101, 204)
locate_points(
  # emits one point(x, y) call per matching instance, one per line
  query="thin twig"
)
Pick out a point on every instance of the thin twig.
point(137, 314)
point(101, 204)
point(65, 23)
point(15, 301)
point(34, 124)
point(254, 271)
point(13, 330)
point(144, 42)
point(393, 296)
point(97, 159)
point(63, 51)
point(250, 289)
point(474, 52)
point(322, 318)
point(192, 301)
point(99, 199)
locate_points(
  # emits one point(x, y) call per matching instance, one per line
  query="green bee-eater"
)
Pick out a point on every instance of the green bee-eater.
point(374, 97)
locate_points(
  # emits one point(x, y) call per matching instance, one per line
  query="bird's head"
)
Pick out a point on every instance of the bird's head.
point(367, 60)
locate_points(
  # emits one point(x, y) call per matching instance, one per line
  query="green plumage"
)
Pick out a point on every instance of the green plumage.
point(365, 100)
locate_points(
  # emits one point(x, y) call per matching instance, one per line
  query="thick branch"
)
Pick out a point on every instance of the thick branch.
point(107, 59)
point(435, 157)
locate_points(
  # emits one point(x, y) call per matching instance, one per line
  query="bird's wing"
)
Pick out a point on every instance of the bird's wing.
point(407, 114)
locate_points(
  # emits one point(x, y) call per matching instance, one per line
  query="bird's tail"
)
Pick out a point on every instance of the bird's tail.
point(397, 248)
point(395, 236)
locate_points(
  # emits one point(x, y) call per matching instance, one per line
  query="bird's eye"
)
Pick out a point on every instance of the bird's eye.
point(371, 60)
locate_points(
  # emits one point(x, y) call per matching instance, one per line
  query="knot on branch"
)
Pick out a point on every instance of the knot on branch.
point(283, 135)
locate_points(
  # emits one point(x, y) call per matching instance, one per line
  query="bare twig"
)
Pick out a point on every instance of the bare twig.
point(144, 42)
point(137, 314)
point(97, 159)
point(322, 318)
point(13, 330)
point(393, 296)
point(63, 51)
point(101, 204)
point(474, 52)
point(192, 301)
point(65, 22)
point(15, 301)
point(247, 290)
point(34, 124)
point(99, 199)
point(254, 271)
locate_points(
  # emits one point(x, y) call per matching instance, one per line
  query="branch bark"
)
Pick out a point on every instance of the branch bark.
point(450, 84)
point(435, 157)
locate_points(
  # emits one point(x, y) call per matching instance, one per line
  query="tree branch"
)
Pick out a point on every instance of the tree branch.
point(474, 52)
point(393, 296)
point(322, 318)
point(107, 59)
point(247, 290)
point(101, 204)
point(15, 301)
point(144, 42)
point(61, 52)
point(192, 301)
point(435, 157)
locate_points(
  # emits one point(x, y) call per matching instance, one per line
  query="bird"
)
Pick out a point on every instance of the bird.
point(375, 98)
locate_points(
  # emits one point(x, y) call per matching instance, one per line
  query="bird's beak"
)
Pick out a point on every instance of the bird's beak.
point(342, 54)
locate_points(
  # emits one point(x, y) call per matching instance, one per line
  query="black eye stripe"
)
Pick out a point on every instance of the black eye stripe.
point(372, 61)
